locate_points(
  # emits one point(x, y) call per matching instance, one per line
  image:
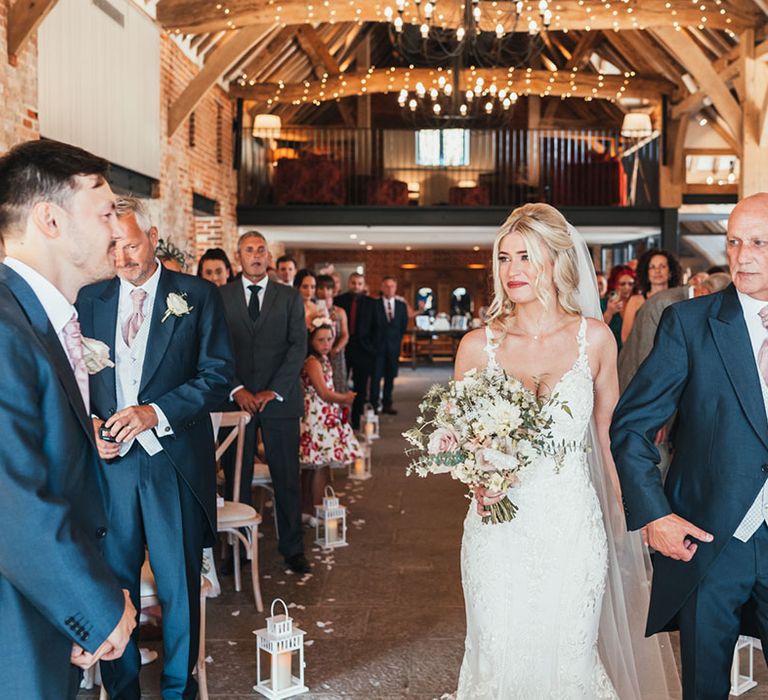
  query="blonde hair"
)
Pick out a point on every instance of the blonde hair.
point(544, 231)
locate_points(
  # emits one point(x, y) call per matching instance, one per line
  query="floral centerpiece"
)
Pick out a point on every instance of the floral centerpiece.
point(484, 430)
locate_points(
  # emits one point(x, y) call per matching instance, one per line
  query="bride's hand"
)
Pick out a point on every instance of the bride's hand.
point(484, 498)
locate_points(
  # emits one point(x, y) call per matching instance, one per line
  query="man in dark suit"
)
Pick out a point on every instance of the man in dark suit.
point(60, 604)
point(173, 366)
point(391, 322)
point(266, 320)
point(361, 349)
point(707, 523)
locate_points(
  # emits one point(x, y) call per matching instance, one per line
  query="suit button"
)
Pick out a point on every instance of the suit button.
point(84, 636)
point(101, 532)
point(765, 468)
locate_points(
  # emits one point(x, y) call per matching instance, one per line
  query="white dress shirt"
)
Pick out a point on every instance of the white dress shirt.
point(758, 511)
point(129, 361)
point(54, 303)
point(389, 308)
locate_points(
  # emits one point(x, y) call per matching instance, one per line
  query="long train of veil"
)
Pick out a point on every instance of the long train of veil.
point(640, 668)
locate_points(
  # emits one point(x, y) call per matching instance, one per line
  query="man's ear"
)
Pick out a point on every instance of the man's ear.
point(237, 258)
point(154, 236)
point(46, 217)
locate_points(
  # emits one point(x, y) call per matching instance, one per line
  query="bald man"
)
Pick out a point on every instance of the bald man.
point(707, 522)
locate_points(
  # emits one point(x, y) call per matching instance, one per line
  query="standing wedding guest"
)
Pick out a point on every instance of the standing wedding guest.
point(306, 283)
point(214, 266)
point(707, 522)
point(657, 270)
point(391, 322)
point(324, 293)
point(621, 282)
point(602, 284)
point(266, 320)
point(60, 604)
point(361, 349)
point(326, 439)
point(173, 366)
point(286, 270)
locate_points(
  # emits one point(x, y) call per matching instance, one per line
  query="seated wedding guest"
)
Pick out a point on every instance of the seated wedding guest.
point(324, 292)
point(173, 365)
point(286, 270)
point(215, 267)
point(391, 322)
point(266, 320)
point(61, 606)
point(620, 285)
point(306, 282)
point(361, 349)
point(657, 270)
point(326, 439)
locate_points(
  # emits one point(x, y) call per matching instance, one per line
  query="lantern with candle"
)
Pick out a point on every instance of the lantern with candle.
point(281, 645)
point(331, 527)
point(360, 468)
point(369, 424)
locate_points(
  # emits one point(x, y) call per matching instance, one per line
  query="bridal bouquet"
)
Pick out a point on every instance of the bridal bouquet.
point(484, 430)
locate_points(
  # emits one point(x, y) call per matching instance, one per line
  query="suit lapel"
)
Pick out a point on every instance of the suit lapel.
point(43, 329)
point(160, 333)
point(731, 337)
point(269, 299)
point(105, 310)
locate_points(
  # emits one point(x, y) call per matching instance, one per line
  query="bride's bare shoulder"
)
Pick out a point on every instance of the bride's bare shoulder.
point(474, 340)
point(601, 340)
point(471, 352)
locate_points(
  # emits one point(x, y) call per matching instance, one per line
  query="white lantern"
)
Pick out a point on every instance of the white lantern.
point(369, 424)
point(331, 527)
point(360, 468)
point(282, 646)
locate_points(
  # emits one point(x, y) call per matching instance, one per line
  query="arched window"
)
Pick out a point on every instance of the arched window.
point(461, 302)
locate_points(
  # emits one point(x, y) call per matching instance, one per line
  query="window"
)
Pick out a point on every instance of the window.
point(442, 147)
point(191, 133)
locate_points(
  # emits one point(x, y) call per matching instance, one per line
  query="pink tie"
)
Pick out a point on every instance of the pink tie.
point(73, 341)
point(134, 321)
point(762, 355)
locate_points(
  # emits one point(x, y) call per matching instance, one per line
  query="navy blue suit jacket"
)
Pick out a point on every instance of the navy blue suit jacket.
point(55, 588)
point(703, 367)
point(188, 372)
point(390, 333)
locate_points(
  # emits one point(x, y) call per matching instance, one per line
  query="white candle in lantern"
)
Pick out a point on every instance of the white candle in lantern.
point(359, 466)
point(281, 671)
point(368, 429)
point(332, 530)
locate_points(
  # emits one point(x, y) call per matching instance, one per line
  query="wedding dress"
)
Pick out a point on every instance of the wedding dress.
point(534, 586)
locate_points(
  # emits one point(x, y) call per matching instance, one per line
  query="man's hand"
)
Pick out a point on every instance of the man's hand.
point(670, 536)
point(263, 398)
point(246, 400)
point(107, 450)
point(125, 425)
point(113, 646)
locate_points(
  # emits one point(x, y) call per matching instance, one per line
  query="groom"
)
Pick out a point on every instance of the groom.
point(708, 522)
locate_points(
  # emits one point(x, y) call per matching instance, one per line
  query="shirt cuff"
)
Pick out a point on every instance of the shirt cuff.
point(235, 390)
point(278, 397)
point(163, 427)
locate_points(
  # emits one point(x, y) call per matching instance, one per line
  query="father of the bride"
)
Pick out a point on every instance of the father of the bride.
point(59, 602)
point(708, 522)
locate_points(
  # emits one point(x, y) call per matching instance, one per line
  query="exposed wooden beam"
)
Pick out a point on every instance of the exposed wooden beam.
point(229, 51)
point(580, 55)
point(538, 82)
point(645, 44)
point(193, 16)
point(700, 67)
point(24, 17)
point(270, 51)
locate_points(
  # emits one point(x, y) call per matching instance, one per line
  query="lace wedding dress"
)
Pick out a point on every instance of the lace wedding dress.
point(534, 586)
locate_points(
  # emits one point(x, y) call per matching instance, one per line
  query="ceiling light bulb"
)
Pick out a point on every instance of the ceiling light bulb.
point(412, 105)
point(428, 8)
point(388, 13)
point(492, 88)
point(519, 8)
point(543, 5)
point(532, 27)
point(507, 103)
point(424, 31)
point(400, 5)
point(480, 82)
point(420, 89)
point(489, 107)
point(547, 18)
point(476, 13)
point(703, 121)
point(513, 97)
point(731, 178)
point(710, 180)
point(436, 108)
point(398, 24)
point(441, 81)
point(460, 34)
point(433, 93)
point(470, 95)
point(500, 31)
point(463, 110)
point(448, 89)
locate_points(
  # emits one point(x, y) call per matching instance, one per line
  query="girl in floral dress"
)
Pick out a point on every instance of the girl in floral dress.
point(326, 439)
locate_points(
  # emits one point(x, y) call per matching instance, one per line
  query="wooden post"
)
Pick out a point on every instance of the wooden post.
point(754, 74)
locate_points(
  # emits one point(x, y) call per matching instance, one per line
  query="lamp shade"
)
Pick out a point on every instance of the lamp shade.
point(267, 125)
point(636, 125)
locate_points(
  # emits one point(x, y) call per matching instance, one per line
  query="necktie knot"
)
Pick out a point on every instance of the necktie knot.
point(763, 313)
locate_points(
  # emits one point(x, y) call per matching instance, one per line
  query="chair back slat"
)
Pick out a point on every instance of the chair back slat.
point(237, 420)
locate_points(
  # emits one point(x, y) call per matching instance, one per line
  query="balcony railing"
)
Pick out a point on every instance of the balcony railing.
point(499, 167)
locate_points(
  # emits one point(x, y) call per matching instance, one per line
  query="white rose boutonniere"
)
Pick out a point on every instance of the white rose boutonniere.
point(177, 306)
point(95, 355)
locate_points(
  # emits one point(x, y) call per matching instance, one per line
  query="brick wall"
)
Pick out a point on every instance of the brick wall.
point(208, 234)
point(443, 270)
point(18, 89)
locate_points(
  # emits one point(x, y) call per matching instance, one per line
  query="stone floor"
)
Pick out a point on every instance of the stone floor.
point(384, 616)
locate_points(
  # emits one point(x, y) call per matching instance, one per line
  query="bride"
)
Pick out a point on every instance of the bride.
point(555, 599)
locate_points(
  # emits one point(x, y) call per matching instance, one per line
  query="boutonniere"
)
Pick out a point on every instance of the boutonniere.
point(176, 305)
point(95, 355)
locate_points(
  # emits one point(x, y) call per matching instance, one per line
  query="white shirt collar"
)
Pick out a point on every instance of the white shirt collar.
point(150, 286)
point(751, 306)
point(247, 283)
point(56, 306)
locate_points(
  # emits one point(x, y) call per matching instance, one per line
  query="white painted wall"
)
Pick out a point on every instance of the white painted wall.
point(99, 82)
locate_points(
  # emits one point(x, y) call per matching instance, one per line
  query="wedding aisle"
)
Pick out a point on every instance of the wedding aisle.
point(384, 616)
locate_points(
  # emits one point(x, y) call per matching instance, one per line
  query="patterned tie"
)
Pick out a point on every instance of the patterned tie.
point(73, 341)
point(762, 355)
point(133, 322)
point(253, 305)
point(388, 304)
